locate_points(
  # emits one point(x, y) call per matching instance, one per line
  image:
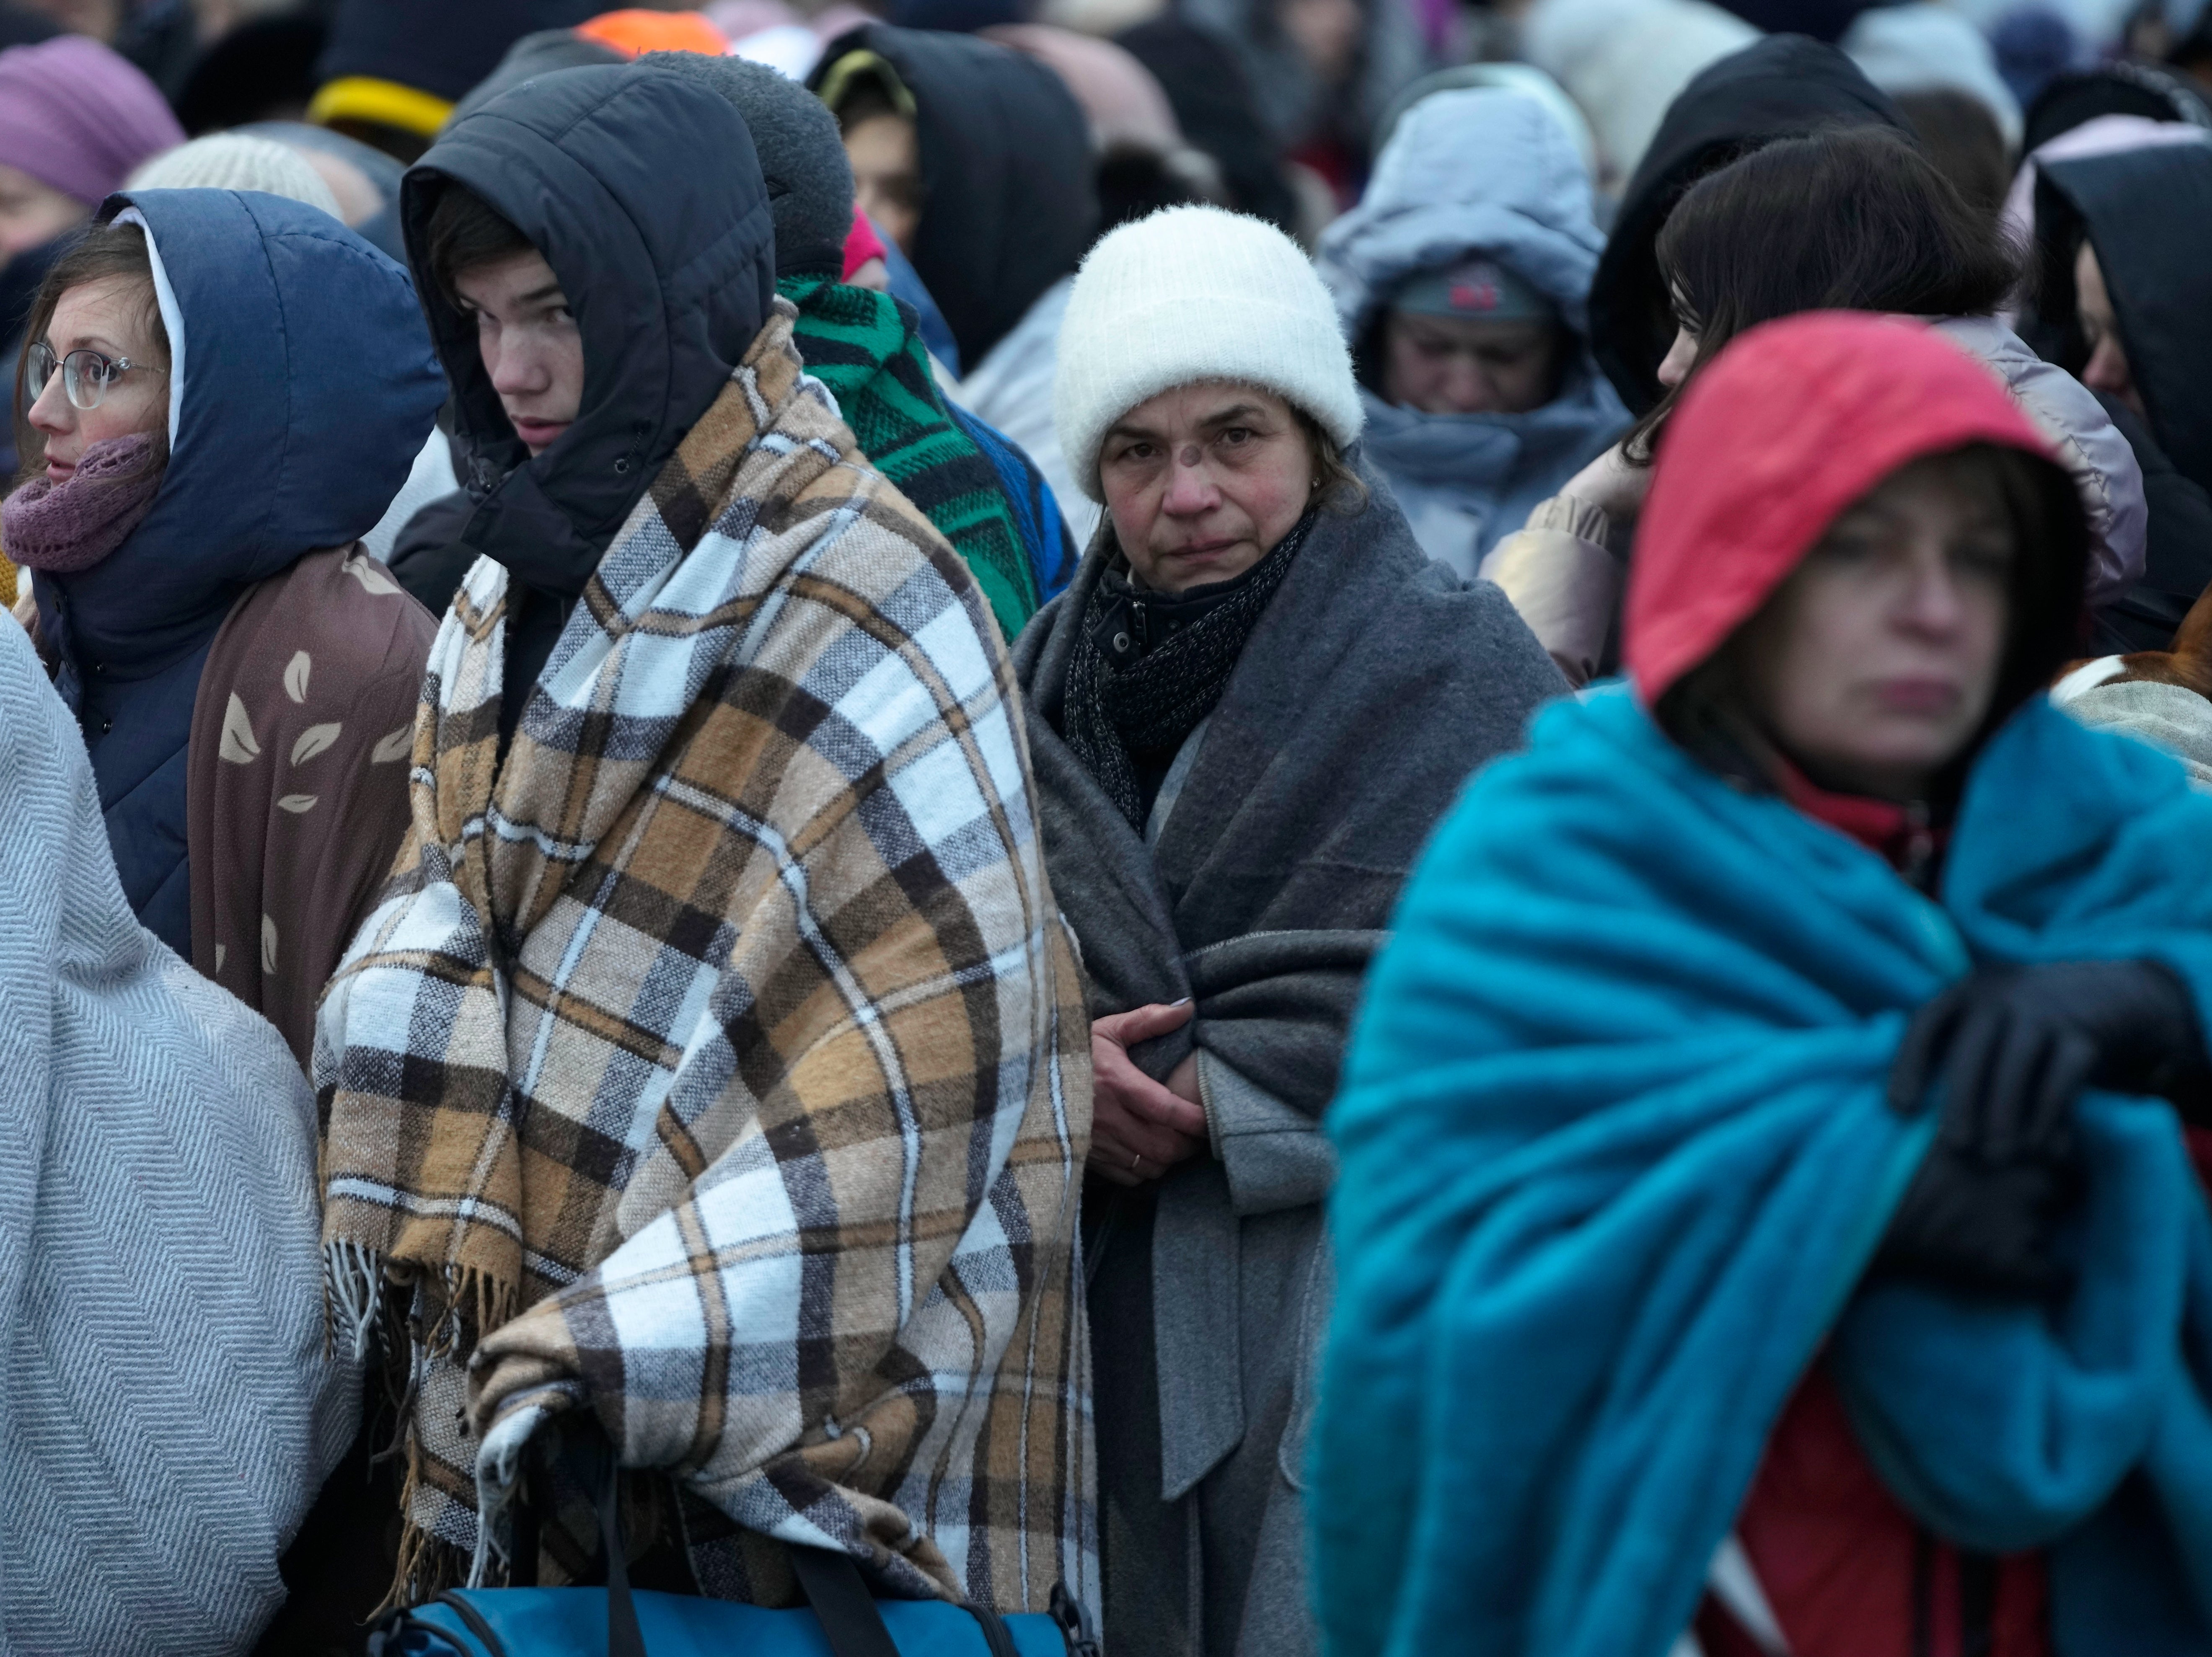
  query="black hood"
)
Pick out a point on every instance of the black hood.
point(2148, 213)
point(1009, 199)
point(1781, 87)
point(670, 269)
point(1824, 20)
point(1212, 104)
point(2119, 87)
point(435, 45)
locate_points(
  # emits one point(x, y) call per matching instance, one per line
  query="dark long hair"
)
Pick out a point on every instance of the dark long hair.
point(1847, 219)
point(100, 252)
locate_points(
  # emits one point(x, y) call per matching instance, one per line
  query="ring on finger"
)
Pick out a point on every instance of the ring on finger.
point(1135, 1157)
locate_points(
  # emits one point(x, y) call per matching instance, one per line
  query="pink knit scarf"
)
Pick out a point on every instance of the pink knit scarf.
point(72, 526)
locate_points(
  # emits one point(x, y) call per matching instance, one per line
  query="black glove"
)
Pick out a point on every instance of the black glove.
point(2016, 1045)
point(1986, 1230)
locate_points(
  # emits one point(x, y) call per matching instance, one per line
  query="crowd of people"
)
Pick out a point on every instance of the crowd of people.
point(1282, 826)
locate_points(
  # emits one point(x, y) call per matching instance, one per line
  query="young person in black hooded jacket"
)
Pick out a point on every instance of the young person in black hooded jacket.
point(711, 887)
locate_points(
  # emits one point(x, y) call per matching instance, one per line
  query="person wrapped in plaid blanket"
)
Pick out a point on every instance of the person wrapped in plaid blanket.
point(715, 1067)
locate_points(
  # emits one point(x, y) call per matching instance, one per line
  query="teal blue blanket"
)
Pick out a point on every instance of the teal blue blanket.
point(1615, 1156)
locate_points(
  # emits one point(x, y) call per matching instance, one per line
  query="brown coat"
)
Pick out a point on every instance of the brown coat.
point(296, 790)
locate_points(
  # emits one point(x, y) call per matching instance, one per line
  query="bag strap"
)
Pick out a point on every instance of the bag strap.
point(843, 1605)
point(624, 1638)
point(835, 1589)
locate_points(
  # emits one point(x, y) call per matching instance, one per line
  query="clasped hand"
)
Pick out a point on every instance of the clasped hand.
point(2013, 1048)
point(1140, 1128)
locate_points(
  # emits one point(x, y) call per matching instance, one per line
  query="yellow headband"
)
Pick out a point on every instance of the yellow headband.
point(855, 67)
point(364, 97)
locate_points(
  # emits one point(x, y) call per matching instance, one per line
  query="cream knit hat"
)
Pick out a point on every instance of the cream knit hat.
point(1193, 294)
point(237, 160)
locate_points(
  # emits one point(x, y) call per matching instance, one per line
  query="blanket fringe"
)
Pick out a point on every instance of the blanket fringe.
point(353, 1287)
point(428, 1565)
point(473, 1303)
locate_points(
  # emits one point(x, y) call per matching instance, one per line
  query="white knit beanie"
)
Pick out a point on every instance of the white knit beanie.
point(237, 160)
point(1196, 294)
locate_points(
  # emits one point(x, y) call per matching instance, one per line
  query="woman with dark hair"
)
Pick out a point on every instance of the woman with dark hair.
point(1851, 219)
point(1783, 87)
point(1763, 1167)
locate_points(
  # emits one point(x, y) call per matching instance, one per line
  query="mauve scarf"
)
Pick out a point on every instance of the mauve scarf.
point(72, 526)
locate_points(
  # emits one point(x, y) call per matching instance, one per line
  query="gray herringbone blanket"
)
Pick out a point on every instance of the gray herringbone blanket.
point(166, 1413)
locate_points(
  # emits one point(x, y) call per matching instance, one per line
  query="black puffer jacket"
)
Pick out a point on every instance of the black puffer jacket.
point(1778, 88)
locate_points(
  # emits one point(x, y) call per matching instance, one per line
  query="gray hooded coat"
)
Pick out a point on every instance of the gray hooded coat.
point(1468, 172)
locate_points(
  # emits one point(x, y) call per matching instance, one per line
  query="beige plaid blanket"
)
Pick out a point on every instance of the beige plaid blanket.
point(716, 1064)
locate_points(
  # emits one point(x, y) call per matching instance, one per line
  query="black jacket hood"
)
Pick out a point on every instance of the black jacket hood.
point(433, 46)
point(2148, 214)
point(1010, 202)
point(670, 270)
point(1781, 87)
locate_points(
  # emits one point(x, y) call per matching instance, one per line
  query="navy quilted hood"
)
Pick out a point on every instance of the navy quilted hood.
point(302, 387)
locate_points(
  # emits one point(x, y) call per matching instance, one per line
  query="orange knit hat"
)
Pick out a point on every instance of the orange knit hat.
point(636, 30)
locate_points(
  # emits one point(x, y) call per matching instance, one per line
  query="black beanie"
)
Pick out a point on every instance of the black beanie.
point(810, 182)
point(437, 47)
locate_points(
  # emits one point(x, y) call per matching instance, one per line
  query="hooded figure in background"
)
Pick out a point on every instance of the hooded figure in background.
point(984, 180)
point(1205, 84)
point(245, 677)
point(1321, 74)
point(1782, 86)
point(394, 68)
point(2120, 87)
point(171, 1404)
point(2124, 247)
point(724, 865)
point(1461, 289)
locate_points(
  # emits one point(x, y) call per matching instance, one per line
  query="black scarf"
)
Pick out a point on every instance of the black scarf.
point(1150, 665)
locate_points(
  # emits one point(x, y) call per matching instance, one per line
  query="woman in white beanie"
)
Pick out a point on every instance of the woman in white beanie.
point(1244, 714)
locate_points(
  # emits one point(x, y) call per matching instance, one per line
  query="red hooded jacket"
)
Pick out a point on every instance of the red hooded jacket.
point(1787, 427)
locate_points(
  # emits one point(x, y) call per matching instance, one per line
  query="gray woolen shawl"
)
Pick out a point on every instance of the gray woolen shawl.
point(1374, 685)
point(166, 1410)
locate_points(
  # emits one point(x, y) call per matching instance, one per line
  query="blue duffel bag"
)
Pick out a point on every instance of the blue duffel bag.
point(842, 1619)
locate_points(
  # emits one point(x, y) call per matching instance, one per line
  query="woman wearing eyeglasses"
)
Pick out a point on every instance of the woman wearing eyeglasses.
point(219, 392)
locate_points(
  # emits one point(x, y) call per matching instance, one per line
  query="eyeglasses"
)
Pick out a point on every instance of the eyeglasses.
point(86, 375)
